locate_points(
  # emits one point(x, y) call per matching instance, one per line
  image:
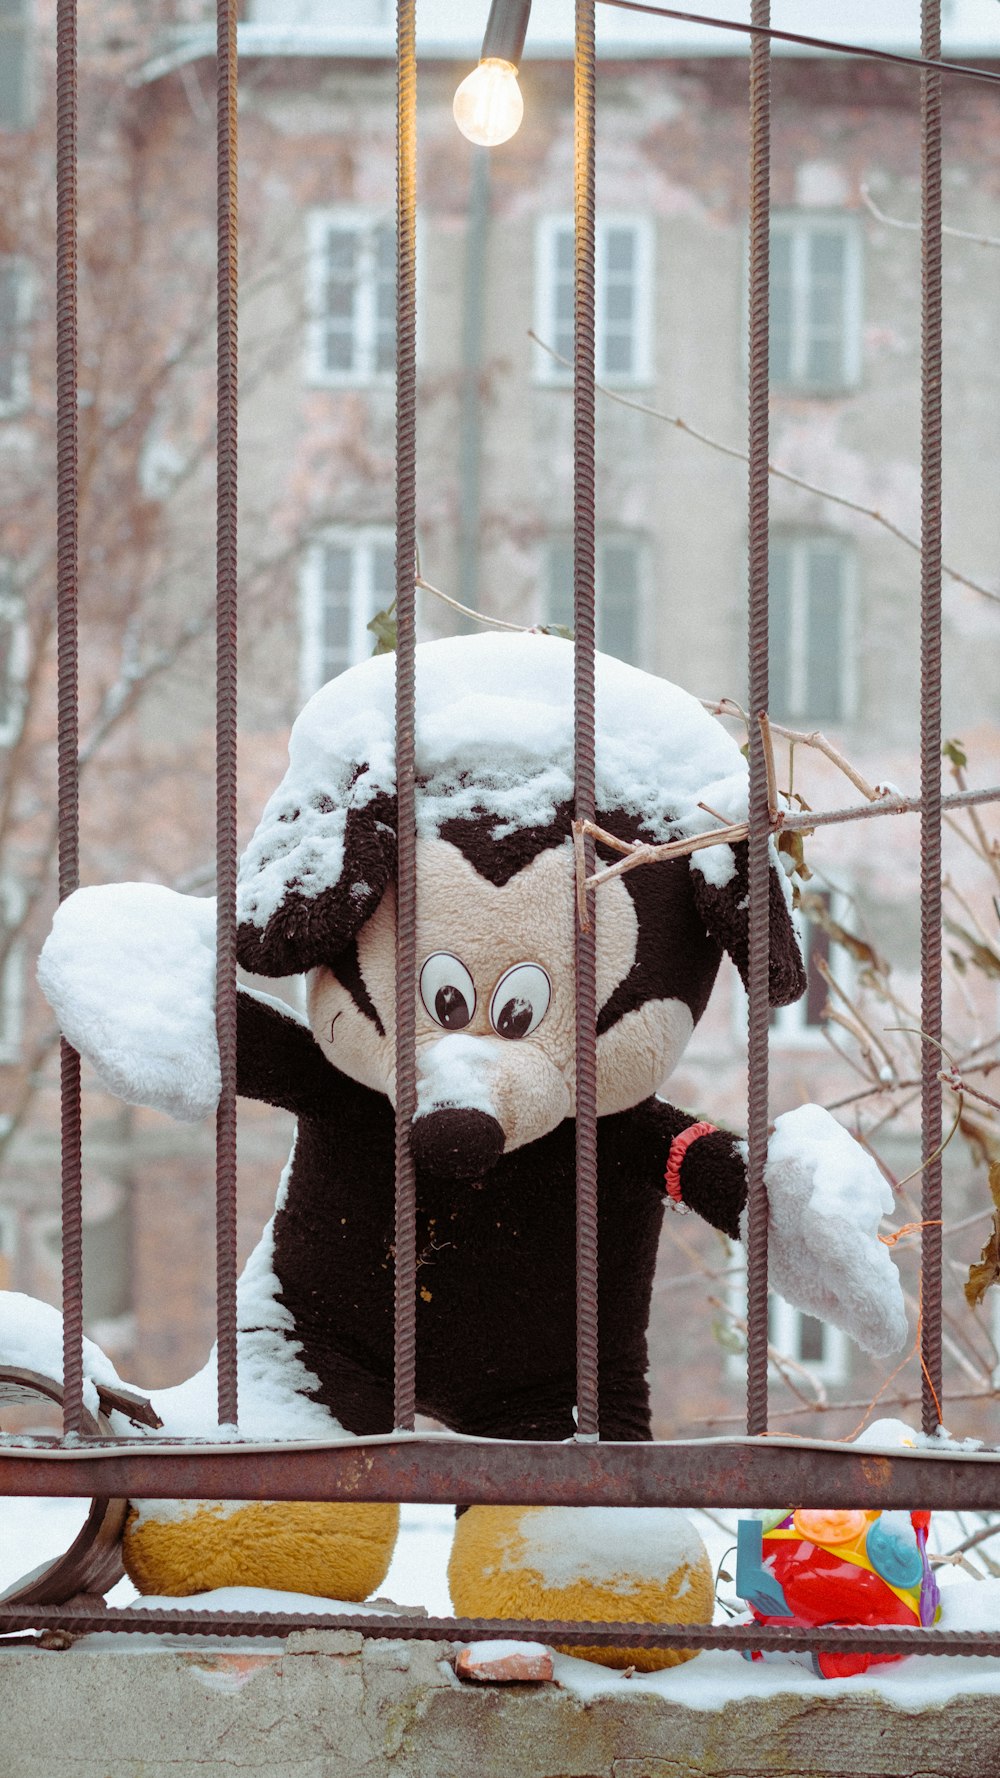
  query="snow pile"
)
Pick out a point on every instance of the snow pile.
point(826, 1198)
point(129, 971)
point(31, 1338)
point(618, 1547)
point(494, 734)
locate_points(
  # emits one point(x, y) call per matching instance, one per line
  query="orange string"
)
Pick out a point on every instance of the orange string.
point(909, 1228)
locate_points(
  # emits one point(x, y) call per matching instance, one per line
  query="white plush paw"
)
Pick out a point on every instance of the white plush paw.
point(129, 970)
point(826, 1198)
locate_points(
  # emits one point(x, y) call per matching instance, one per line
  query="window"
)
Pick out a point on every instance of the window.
point(810, 1345)
point(352, 298)
point(349, 575)
point(15, 64)
point(622, 297)
point(811, 649)
point(802, 1022)
point(618, 592)
point(14, 289)
point(11, 973)
point(13, 658)
point(815, 331)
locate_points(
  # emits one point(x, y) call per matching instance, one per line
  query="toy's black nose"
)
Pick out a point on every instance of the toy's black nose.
point(457, 1142)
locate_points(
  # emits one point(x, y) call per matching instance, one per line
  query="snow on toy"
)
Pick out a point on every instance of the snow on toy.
point(826, 1567)
point(130, 973)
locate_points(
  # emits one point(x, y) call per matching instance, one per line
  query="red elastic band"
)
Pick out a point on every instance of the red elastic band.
point(678, 1149)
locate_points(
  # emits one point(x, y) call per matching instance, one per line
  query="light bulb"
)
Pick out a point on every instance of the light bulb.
point(488, 105)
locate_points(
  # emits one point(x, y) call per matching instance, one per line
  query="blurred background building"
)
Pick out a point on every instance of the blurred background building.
point(494, 513)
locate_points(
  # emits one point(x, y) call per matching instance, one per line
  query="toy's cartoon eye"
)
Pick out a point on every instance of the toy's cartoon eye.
point(447, 991)
point(520, 1000)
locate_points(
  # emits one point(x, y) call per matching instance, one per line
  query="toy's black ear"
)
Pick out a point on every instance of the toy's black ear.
point(314, 872)
point(726, 913)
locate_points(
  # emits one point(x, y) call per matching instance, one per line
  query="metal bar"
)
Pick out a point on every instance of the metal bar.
point(715, 1473)
point(67, 625)
point(225, 707)
point(930, 719)
point(834, 1639)
point(584, 745)
point(846, 49)
point(758, 837)
point(406, 868)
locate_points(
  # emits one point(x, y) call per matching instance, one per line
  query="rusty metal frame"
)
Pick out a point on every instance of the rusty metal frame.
point(442, 1468)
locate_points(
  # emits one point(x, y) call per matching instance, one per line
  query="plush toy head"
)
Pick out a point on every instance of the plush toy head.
point(495, 881)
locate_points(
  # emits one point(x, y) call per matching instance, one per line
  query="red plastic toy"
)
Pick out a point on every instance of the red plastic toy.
point(831, 1567)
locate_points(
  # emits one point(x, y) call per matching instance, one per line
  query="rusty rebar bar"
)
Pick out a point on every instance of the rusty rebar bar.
point(758, 837)
point(405, 1335)
point(584, 743)
point(68, 719)
point(777, 1639)
point(227, 367)
point(930, 716)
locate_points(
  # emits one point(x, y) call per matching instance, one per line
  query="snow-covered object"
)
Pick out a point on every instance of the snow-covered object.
point(826, 1198)
point(502, 1661)
point(483, 700)
point(459, 1070)
point(31, 1339)
point(129, 970)
point(620, 1548)
point(885, 1434)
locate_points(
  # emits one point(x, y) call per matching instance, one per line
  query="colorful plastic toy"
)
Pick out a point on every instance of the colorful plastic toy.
point(829, 1567)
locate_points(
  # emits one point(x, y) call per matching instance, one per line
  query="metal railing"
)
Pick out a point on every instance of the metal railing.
point(442, 1468)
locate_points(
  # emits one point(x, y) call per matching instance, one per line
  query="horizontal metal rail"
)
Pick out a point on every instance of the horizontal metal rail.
point(837, 1639)
point(710, 1473)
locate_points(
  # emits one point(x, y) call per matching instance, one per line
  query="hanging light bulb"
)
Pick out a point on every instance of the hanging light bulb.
point(488, 105)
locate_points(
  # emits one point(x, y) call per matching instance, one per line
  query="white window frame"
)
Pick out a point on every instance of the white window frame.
point(784, 1334)
point(20, 394)
point(11, 978)
point(548, 230)
point(799, 225)
point(799, 543)
point(12, 612)
point(365, 600)
point(363, 372)
point(638, 542)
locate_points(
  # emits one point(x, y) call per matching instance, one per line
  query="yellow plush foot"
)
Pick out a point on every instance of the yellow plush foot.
point(333, 1550)
point(617, 1564)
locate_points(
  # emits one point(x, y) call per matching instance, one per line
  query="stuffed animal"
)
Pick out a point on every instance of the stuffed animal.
point(130, 973)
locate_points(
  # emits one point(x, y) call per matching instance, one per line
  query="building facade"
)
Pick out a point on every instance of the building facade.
point(494, 523)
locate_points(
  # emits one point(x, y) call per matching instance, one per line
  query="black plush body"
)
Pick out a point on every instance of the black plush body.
point(496, 1308)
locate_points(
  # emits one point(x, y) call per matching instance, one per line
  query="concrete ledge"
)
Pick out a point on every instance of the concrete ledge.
point(328, 1705)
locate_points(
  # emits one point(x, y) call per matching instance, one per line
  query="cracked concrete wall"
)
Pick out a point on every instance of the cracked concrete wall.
point(334, 1706)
